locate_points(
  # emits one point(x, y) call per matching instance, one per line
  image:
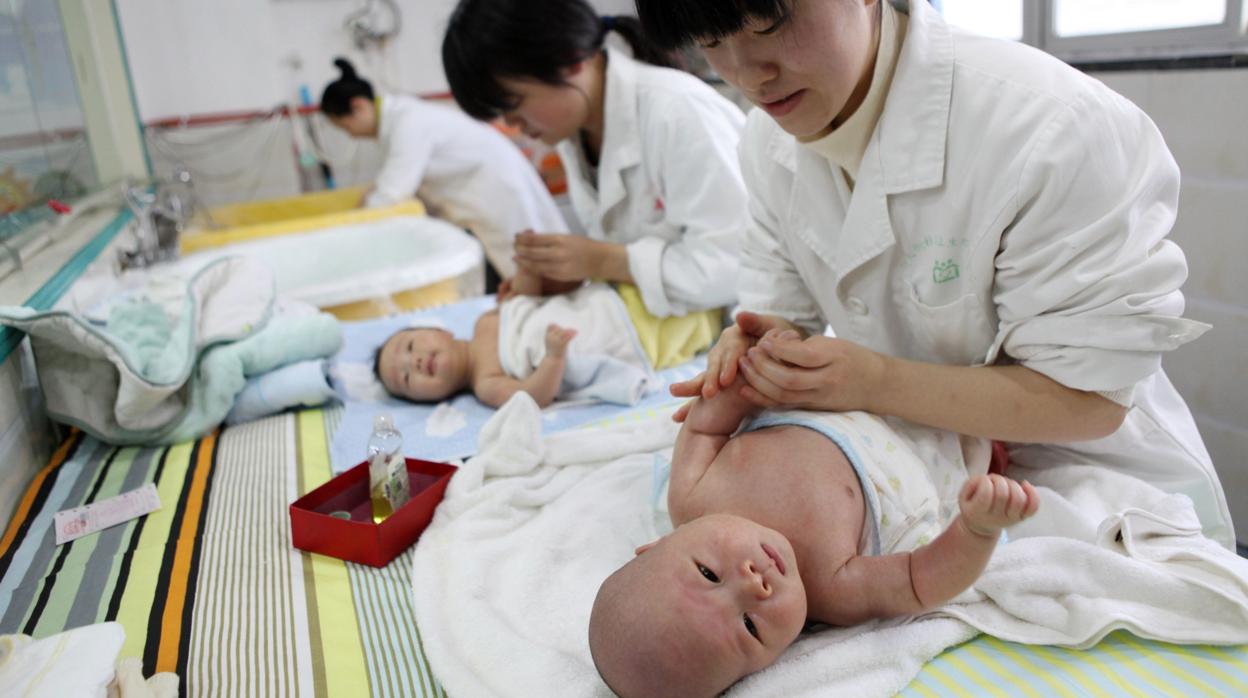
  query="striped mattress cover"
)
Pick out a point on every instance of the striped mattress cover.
point(209, 587)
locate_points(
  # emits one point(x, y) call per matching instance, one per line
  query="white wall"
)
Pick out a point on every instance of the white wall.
point(1201, 115)
point(196, 57)
point(189, 57)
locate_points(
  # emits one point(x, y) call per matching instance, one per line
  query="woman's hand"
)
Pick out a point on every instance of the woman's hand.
point(560, 257)
point(524, 283)
point(822, 373)
point(723, 359)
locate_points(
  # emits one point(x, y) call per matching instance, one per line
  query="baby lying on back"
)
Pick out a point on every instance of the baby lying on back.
point(805, 516)
point(527, 344)
point(428, 364)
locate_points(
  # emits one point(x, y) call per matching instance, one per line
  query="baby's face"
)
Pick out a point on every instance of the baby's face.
point(421, 365)
point(736, 588)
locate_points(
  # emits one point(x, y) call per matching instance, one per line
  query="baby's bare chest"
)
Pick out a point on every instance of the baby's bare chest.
point(793, 480)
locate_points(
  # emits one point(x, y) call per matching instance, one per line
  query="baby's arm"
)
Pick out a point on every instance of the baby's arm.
point(494, 387)
point(708, 426)
point(908, 583)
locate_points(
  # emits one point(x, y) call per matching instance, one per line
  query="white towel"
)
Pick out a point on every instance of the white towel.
point(605, 359)
point(77, 662)
point(506, 574)
point(1128, 556)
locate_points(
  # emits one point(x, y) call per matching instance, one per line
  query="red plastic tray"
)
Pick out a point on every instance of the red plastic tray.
point(359, 539)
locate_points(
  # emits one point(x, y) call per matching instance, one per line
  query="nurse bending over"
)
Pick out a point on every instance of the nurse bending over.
point(464, 171)
point(983, 227)
point(650, 152)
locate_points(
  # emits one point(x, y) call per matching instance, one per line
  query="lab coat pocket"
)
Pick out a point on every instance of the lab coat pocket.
point(958, 332)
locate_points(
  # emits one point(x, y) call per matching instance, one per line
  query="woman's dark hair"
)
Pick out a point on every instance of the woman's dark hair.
point(675, 23)
point(336, 99)
point(491, 39)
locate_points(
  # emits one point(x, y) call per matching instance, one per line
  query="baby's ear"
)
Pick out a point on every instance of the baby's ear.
point(643, 548)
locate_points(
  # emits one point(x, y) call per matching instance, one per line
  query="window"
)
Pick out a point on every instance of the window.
point(1083, 18)
point(1090, 31)
point(1000, 18)
point(43, 144)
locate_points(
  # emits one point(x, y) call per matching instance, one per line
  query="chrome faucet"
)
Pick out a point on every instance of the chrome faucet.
point(160, 214)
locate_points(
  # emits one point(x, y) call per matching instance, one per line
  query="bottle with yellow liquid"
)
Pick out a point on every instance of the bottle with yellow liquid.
point(389, 485)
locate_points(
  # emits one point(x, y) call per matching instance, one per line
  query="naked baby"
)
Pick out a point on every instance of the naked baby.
point(804, 516)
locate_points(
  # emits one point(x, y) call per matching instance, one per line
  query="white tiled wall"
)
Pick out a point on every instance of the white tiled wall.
point(1202, 116)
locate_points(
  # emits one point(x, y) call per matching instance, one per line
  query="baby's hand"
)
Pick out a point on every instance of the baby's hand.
point(990, 503)
point(557, 339)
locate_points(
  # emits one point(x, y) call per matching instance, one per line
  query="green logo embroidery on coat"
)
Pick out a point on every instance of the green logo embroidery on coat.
point(944, 271)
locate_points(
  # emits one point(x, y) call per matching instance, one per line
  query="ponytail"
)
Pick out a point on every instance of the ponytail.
point(487, 40)
point(643, 49)
point(336, 100)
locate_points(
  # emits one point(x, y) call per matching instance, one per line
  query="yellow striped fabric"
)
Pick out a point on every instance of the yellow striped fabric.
point(210, 586)
point(1121, 665)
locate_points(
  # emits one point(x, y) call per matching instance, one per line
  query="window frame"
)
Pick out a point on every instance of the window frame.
point(1227, 38)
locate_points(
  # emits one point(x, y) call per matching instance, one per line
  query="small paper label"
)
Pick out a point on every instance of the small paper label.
point(75, 523)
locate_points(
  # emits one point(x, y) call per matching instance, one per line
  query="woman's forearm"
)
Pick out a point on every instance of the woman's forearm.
point(612, 263)
point(1006, 403)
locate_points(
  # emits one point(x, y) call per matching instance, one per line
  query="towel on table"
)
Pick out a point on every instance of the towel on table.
point(78, 662)
point(506, 573)
point(605, 360)
point(148, 378)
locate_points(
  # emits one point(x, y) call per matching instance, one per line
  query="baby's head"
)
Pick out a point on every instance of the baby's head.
point(423, 364)
point(718, 598)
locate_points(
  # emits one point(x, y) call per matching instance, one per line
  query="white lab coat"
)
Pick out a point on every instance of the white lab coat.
point(668, 185)
point(1008, 208)
point(465, 172)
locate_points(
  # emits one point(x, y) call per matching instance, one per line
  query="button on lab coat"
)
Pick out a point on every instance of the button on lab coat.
point(464, 171)
point(1007, 209)
point(668, 185)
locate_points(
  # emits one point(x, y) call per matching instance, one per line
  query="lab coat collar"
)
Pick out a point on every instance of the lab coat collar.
point(908, 145)
point(906, 152)
point(621, 143)
point(914, 127)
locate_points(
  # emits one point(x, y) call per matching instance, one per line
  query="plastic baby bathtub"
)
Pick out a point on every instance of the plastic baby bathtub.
point(355, 263)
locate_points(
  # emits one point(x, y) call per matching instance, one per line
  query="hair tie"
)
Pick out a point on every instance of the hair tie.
point(608, 22)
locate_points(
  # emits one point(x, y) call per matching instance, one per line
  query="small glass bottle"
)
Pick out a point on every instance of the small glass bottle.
point(389, 485)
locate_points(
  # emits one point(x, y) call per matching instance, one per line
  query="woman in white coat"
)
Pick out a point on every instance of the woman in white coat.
point(650, 152)
point(464, 171)
point(983, 228)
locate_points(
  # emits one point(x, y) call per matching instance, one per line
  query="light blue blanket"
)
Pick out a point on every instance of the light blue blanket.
point(448, 431)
